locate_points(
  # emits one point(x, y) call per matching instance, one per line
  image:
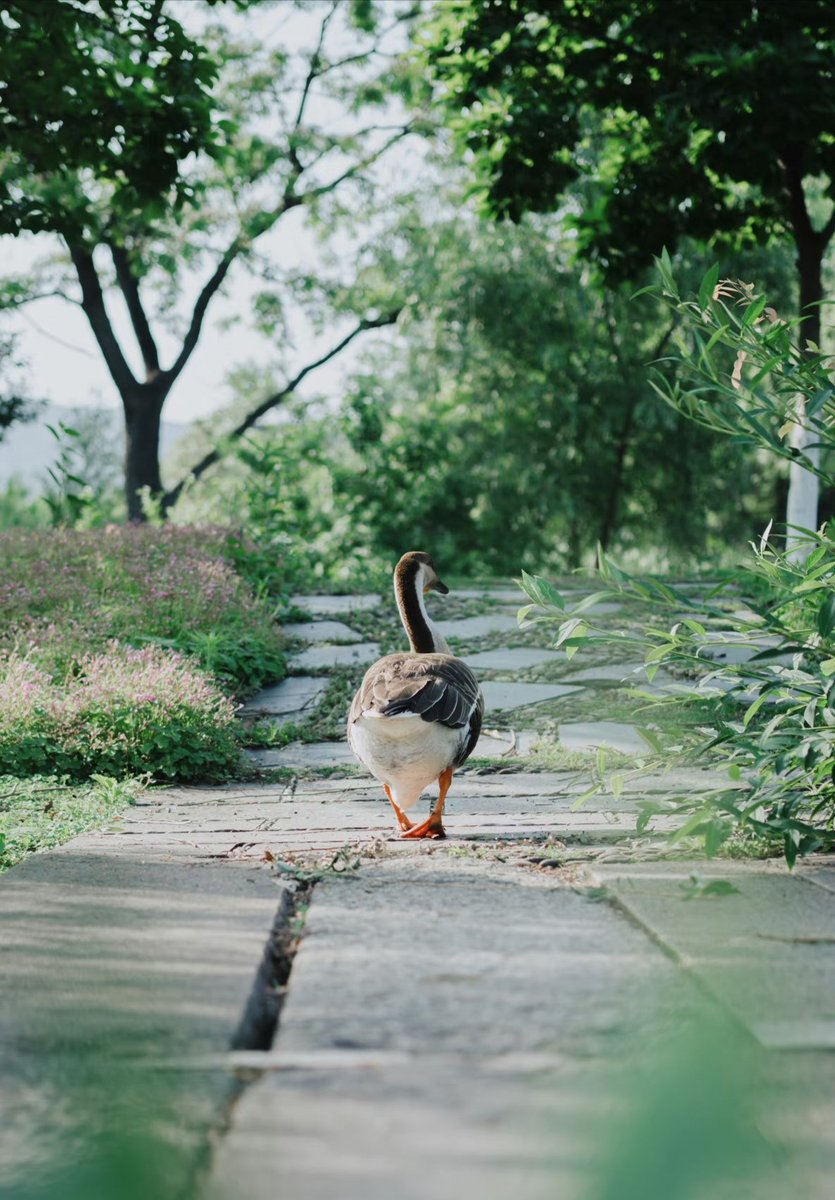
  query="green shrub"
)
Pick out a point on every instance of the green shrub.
point(772, 716)
point(124, 713)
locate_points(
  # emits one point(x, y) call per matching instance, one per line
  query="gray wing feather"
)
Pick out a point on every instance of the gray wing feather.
point(436, 687)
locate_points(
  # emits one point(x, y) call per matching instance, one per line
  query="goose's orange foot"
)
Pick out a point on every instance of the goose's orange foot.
point(433, 828)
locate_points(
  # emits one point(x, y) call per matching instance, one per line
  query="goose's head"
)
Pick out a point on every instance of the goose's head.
point(418, 567)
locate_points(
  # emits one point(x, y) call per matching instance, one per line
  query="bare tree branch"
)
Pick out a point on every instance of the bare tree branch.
point(130, 290)
point(799, 213)
point(170, 497)
point(30, 320)
point(33, 297)
point(198, 315)
point(312, 73)
point(829, 228)
point(359, 165)
point(92, 301)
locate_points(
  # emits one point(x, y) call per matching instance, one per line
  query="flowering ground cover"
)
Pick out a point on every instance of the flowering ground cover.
point(122, 654)
point(66, 593)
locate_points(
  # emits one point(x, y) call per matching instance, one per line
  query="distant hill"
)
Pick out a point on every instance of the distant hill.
point(28, 449)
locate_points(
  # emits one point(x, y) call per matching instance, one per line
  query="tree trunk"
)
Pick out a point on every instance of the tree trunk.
point(802, 502)
point(143, 410)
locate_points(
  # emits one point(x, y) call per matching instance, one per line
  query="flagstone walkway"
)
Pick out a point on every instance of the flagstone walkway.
point(495, 1015)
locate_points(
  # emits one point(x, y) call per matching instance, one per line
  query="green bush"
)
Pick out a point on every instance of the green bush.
point(771, 717)
point(124, 713)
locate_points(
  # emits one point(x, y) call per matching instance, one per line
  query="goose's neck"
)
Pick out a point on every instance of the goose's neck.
point(423, 637)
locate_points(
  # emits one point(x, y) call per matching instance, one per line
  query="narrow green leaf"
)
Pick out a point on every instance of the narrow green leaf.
point(708, 286)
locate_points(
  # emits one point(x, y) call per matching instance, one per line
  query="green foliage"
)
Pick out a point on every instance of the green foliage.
point(69, 498)
point(743, 371)
point(14, 404)
point(773, 713)
point(281, 483)
point(124, 713)
point(193, 145)
point(118, 90)
point(516, 421)
point(19, 509)
point(66, 593)
point(686, 119)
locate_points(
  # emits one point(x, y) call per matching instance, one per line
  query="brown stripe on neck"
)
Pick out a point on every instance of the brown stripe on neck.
point(411, 613)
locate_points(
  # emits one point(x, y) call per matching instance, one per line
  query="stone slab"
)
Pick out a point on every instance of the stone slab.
point(322, 631)
point(734, 649)
point(316, 657)
point(633, 673)
point(516, 658)
point(304, 754)
point(501, 595)
point(502, 695)
point(110, 959)
point(589, 735)
point(470, 628)
point(486, 1010)
point(767, 951)
point(291, 699)
point(335, 604)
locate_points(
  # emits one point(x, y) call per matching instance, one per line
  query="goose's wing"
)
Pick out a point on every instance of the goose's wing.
point(435, 687)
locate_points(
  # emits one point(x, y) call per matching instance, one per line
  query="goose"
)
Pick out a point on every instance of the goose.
point(416, 716)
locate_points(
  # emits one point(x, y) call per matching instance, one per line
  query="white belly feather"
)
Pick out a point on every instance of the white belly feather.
point(405, 751)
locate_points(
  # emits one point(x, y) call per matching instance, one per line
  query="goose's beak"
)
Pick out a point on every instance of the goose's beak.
point(442, 588)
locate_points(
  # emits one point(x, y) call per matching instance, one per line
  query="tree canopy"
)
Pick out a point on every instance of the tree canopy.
point(712, 121)
point(113, 88)
point(691, 119)
point(273, 130)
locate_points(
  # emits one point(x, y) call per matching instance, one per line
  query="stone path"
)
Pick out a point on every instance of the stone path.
point(500, 1014)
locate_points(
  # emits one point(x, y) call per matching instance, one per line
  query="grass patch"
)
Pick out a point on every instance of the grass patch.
point(41, 812)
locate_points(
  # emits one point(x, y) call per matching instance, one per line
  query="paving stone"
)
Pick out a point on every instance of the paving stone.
point(322, 631)
point(507, 744)
point(589, 735)
point(611, 672)
point(503, 595)
point(292, 698)
point(362, 654)
point(336, 604)
point(734, 649)
point(767, 950)
point(560, 984)
point(512, 658)
point(503, 695)
point(469, 628)
point(108, 960)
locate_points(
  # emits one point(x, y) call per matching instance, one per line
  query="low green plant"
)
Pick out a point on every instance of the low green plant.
point(124, 713)
point(40, 812)
point(760, 646)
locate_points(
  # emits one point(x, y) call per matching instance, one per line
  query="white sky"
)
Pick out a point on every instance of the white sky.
point(64, 365)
